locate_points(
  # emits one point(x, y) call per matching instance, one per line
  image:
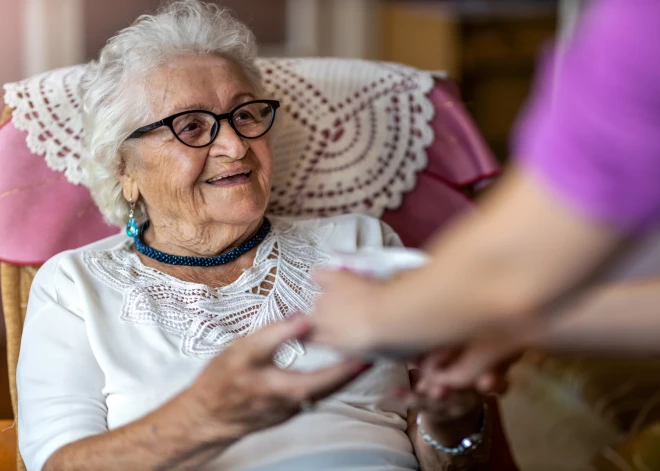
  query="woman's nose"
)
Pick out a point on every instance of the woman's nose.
point(228, 144)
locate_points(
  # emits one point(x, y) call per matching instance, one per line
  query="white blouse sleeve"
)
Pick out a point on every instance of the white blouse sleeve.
point(60, 398)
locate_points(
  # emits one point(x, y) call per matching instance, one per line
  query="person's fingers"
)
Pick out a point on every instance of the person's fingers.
point(319, 384)
point(439, 393)
point(261, 346)
point(415, 375)
point(328, 278)
point(464, 372)
point(325, 277)
point(493, 383)
point(444, 403)
point(433, 362)
point(474, 362)
point(294, 316)
point(504, 366)
point(441, 358)
point(490, 383)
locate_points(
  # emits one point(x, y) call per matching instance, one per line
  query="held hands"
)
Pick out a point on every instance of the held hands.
point(482, 365)
point(449, 415)
point(241, 391)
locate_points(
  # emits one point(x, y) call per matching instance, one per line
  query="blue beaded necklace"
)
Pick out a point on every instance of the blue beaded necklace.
point(203, 261)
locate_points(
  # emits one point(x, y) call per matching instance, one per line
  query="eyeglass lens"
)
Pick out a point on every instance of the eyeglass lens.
point(198, 129)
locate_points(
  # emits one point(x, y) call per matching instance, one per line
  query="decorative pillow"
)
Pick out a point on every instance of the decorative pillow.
point(351, 136)
point(41, 213)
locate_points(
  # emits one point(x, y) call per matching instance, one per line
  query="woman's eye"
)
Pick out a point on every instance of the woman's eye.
point(243, 116)
point(191, 127)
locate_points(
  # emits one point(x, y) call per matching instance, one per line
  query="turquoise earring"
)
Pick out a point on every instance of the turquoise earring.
point(132, 229)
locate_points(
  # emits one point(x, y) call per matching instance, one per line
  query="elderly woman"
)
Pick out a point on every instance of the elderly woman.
point(164, 350)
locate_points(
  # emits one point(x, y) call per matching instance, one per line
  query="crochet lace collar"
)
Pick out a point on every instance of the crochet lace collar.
point(209, 319)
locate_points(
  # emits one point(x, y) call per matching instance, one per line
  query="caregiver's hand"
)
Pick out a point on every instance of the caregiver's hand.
point(351, 316)
point(241, 391)
point(483, 365)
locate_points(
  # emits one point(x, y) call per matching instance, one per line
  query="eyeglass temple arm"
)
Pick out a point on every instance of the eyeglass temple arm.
point(145, 129)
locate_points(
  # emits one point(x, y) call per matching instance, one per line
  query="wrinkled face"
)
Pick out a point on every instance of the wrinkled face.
point(226, 182)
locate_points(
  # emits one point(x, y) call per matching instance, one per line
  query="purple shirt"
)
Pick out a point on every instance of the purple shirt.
point(592, 131)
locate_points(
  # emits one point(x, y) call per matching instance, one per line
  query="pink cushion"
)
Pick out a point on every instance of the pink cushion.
point(458, 155)
point(41, 213)
point(458, 159)
point(425, 209)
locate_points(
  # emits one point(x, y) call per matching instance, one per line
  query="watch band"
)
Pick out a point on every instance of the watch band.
point(468, 444)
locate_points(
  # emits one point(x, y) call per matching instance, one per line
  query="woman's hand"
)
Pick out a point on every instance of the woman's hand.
point(241, 391)
point(448, 415)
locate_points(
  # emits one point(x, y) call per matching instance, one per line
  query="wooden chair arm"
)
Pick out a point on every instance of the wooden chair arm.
point(8, 445)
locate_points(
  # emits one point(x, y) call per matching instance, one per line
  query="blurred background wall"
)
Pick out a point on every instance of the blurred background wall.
point(103, 18)
point(488, 46)
point(11, 44)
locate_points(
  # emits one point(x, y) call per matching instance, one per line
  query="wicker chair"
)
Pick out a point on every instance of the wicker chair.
point(15, 284)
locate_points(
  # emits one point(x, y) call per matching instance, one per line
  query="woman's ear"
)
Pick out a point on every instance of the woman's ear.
point(129, 188)
point(128, 183)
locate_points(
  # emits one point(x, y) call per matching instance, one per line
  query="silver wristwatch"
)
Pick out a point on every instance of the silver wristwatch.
point(467, 445)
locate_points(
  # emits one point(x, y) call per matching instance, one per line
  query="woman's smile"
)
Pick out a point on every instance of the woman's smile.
point(233, 178)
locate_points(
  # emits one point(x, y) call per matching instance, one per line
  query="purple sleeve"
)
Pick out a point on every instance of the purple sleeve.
point(592, 131)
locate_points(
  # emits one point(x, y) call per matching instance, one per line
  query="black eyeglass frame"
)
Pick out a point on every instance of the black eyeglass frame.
point(274, 105)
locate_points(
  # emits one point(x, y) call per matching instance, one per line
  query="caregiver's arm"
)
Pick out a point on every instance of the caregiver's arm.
point(525, 248)
point(588, 174)
point(621, 318)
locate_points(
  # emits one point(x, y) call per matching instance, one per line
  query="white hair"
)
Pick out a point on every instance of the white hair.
point(110, 116)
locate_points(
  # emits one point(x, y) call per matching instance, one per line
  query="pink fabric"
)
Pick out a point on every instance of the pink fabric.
point(425, 209)
point(458, 158)
point(42, 214)
point(459, 155)
point(591, 132)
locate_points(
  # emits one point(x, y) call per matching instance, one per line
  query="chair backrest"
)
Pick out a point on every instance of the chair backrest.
point(353, 136)
point(15, 284)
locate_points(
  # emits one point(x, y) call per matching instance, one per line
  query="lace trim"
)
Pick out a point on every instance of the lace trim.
point(351, 135)
point(209, 319)
point(47, 106)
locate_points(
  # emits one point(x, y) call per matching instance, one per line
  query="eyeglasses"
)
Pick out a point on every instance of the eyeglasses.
point(199, 128)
